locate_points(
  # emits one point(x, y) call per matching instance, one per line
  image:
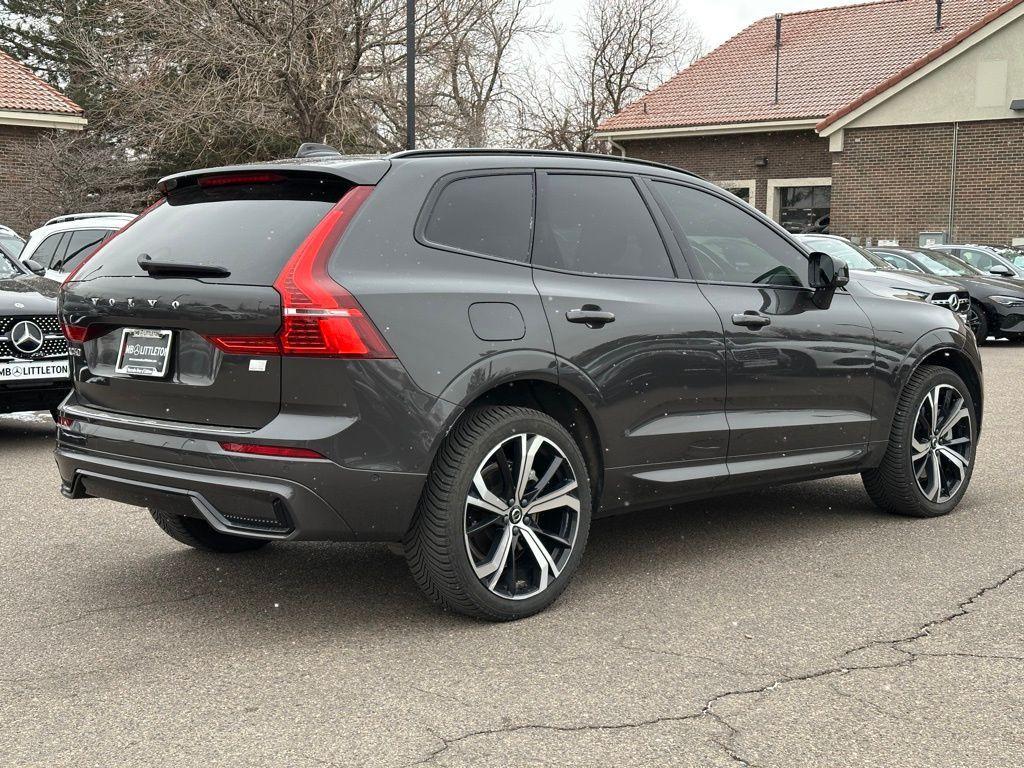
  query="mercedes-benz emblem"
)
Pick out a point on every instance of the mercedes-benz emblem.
point(27, 337)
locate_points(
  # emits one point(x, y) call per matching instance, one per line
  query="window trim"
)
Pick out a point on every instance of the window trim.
point(696, 269)
point(748, 184)
point(443, 182)
point(657, 218)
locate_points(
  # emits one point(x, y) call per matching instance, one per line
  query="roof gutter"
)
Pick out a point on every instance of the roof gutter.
point(42, 120)
point(763, 126)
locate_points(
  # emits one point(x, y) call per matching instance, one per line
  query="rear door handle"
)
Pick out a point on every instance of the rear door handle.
point(590, 315)
point(751, 319)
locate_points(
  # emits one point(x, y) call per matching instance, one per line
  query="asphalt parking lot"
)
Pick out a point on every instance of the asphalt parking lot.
point(794, 627)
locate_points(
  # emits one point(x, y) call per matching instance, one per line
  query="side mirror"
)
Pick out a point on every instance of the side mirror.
point(1000, 270)
point(34, 266)
point(826, 273)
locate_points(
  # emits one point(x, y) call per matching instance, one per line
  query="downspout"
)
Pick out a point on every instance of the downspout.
point(615, 145)
point(952, 181)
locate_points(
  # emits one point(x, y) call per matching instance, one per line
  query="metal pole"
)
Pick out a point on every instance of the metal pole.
point(410, 74)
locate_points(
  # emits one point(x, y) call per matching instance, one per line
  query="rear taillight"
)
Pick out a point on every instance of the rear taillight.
point(280, 451)
point(81, 333)
point(103, 245)
point(319, 317)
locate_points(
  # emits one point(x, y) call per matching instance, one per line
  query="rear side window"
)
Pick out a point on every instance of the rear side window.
point(491, 215)
point(597, 225)
point(249, 229)
point(45, 252)
point(81, 246)
point(730, 245)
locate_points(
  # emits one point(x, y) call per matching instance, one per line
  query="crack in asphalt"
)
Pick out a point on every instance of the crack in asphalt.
point(128, 607)
point(907, 658)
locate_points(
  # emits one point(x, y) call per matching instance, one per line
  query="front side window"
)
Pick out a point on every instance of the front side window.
point(729, 244)
point(82, 244)
point(598, 225)
point(978, 259)
point(899, 262)
point(491, 215)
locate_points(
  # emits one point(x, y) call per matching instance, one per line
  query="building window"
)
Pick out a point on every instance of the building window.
point(745, 190)
point(801, 205)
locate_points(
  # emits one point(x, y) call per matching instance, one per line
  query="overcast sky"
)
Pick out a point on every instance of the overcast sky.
point(718, 19)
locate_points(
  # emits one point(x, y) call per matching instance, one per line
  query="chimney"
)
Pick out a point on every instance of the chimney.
point(938, 15)
point(778, 51)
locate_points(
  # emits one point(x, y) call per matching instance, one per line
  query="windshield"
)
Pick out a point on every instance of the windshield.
point(11, 245)
point(8, 267)
point(854, 256)
point(1012, 254)
point(939, 263)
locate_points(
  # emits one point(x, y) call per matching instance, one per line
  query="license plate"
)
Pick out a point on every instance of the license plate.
point(144, 352)
point(44, 369)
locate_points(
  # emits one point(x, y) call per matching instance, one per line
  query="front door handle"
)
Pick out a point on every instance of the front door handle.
point(751, 319)
point(590, 315)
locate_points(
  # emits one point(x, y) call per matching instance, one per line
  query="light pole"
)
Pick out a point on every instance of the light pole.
point(410, 74)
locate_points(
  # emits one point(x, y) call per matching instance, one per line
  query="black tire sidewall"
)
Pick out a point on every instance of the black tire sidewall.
point(981, 335)
point(926, 385)
point(530, 423)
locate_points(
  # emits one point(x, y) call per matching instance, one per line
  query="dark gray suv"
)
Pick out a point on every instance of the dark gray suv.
point(476, 353)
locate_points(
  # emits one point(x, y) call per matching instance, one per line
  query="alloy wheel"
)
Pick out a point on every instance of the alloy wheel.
point(522, 516)
point(973, 319)
point(941, 446)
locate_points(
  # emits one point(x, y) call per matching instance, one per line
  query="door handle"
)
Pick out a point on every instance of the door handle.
point(751, 319)
point(590, 315)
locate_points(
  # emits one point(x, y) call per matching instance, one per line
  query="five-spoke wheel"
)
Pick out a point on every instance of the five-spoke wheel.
point(505, 515)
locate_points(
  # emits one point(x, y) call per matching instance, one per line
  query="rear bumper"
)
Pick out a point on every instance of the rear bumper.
point(258, 497)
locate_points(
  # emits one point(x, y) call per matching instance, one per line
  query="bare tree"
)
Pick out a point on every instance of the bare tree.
point(627, 47)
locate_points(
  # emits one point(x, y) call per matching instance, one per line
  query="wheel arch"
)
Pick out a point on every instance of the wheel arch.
point(962, 365)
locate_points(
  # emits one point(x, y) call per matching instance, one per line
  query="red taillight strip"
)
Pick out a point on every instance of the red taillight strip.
point(280, 451)
point(239, 178)
point(319, 317)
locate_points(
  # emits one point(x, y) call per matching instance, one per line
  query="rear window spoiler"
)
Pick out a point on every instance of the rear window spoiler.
point(359, 171)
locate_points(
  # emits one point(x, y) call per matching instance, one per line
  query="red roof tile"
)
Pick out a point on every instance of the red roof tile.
point(22, 91)
point(830, 58)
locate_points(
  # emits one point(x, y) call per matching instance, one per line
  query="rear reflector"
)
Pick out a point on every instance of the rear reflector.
point(65, 422)
point(319, 317)
point(271, 450)
point(81, 333)
point(233, 179)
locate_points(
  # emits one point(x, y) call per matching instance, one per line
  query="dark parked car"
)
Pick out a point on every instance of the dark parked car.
point(475, 353)
point(33, 353)
point(997, 304)
point(994, 261)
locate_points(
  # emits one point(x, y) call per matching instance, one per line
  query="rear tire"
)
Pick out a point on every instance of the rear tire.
point(927, 466)
point(198, 534)
point(505, 515)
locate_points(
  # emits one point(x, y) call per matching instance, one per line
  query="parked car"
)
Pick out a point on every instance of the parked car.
point(34, 366)
point(475, 353)
point(997, 304)
point(10, 242)
point(985, 258)
point(877, 274)
point(64, 242)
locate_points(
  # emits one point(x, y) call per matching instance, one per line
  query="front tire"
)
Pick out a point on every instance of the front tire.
point(198, 534)
point(977, 319)
point(505, 516)
point(930, 457)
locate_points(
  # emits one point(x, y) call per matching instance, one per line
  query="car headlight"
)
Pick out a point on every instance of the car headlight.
point(1008, 301)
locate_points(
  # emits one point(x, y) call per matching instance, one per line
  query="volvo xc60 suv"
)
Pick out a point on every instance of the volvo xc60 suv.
point(476, 353)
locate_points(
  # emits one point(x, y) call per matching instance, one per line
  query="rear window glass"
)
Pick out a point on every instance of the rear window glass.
point(251, 230)
point(490, 215)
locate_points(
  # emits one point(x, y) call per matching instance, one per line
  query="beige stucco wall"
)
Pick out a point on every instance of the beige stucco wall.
point(979, 84)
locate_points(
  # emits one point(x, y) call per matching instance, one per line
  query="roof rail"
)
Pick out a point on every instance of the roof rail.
point(95, 215)
point(412, 153)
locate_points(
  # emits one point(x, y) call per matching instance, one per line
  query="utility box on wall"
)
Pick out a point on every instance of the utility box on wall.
point(928, 239)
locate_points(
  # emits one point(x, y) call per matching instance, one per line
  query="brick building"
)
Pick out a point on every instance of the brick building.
point(885, 120)
point(28, 109)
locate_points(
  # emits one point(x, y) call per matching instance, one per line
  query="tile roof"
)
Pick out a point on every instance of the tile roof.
point(830, 58)
point(22, 91)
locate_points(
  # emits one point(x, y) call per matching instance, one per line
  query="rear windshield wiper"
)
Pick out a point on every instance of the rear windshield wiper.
point(179, 268)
